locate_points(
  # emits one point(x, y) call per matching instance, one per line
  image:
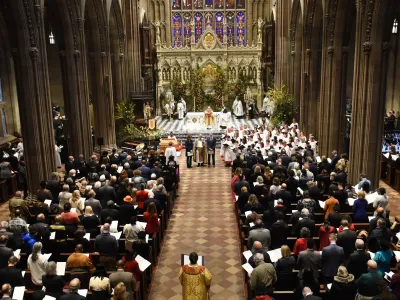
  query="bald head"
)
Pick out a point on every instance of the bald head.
point(380, 211)
point(106, 227)
point(74, 285)
point(79, 248)
point(283, 186)
point(18, 194)
point(6, 289)
point(306, 291)
point(257, 245)
point(40, 217)
point(372, 265)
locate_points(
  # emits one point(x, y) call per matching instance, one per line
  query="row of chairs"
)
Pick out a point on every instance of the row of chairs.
point(289, 294)
point(154, 245)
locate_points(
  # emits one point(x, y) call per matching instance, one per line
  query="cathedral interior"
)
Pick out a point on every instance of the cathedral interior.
point(339, 59)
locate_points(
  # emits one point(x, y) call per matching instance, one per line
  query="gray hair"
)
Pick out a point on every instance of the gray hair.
point(258, 257)
point(65, 187)
point(36, 251)
point(126, 165)
point(305, 212)
point(359, 244)
point(51, 268)
point(97, 184)
point(4, 225)
point(72, 172)
point(91, 194)
point(304, 232)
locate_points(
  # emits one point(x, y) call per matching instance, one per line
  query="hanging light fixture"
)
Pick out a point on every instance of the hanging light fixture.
point(51, 38)
point(395, 26)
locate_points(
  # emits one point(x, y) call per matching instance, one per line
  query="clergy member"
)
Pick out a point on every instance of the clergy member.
point(209, 117)
point(171, 151)
point(195, 280)
point(181, 110)
point(237, 108)
point(200, 151)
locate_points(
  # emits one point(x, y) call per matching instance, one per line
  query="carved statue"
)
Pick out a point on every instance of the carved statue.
point(157, 24)
point(259, 30)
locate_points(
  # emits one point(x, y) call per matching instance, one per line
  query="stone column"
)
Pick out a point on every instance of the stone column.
point(76, 103)
point(167, 8)
point(282, 46)
point(33, 91)
point(132, 67)
point(369, 88)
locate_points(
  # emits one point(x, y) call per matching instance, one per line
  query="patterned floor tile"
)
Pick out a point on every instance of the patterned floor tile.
point(203, 221)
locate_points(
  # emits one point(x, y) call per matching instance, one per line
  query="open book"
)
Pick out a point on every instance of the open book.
point(185, 260)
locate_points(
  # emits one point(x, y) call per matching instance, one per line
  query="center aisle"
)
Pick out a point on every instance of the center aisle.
point(202, 221)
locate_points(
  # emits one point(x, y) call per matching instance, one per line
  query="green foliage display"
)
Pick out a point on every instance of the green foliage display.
point(220, 87)
point(178, 89)
point(125, 114)
point(196, 87)
point(284, 107)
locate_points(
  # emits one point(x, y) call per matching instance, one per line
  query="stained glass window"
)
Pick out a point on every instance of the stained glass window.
point(187, 4)
point(230, 28)
point(198, 25)
point(186, 29)
point(177, 31)
point(208, 13)
point(240, 29)
point(219, 26)
point(176, 4)
point(208, 19)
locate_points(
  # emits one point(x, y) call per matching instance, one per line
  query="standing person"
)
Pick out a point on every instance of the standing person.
point(171, 151)
point(195, 279)
point(211, 144)
point(331, 258)
point(199, 151)
point(37, 264)
point(189, 151)
point(181, 111)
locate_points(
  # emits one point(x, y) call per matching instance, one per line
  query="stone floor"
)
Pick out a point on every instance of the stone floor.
point(202, 221)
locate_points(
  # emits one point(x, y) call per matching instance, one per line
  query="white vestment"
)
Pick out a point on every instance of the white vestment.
point(237, 108)
point(181, 110)
point(265, 104)
point(58, 157)
point(224, 119)
point(171, 151)
point(184, 105)
point(20, 150)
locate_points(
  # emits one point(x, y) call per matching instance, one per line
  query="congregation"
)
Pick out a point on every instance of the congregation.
point(306, 231)
point(90, 232)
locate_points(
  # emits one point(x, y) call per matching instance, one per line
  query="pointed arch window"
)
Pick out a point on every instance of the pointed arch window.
point(395, 26)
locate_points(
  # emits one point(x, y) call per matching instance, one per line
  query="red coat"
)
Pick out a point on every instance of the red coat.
point(141, 196)
point(152, 223)
point(133, 267)
point(324, 236)
point(301, 245)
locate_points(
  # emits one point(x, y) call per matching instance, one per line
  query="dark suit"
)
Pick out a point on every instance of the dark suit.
point(279, 234)
point(109, 212)
point(305, 222)
point(346, 239)
point(72, 296)
point(156, 202)
point(211, 143)
point(309, 259)
point(125, 212)
point(106, 193)
point(156, 171)
point(312, 297)
point(5, 254)
point(358, 263)
point(11, 275)
point(54, 187)
point(332, 257)
point(286, 196)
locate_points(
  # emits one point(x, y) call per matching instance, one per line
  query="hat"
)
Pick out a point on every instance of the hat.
point(153, 175)
point(128, 199)
point(343, 275)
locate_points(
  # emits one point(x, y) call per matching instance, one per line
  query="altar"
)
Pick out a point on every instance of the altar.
point(194, 121)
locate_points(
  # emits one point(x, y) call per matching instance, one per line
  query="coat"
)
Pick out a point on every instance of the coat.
point(357, 264)
point(346, 239)
point(332, 257)
point(127, 279)
point(309, 259)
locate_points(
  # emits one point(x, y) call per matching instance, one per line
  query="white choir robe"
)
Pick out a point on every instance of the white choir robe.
point(181, 110)
point(228, 154)
point(171, 150)
point(58, 157)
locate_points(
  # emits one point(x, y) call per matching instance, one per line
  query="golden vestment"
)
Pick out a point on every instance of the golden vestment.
point(209, 117)
point(195, 280)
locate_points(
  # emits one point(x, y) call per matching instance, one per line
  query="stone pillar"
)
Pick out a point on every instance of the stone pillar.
point(282, 45)
point(132, 67)
point(103, 104)
point(167, 8)
point(76, 103)
point(369, 88)
point(33, 91)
